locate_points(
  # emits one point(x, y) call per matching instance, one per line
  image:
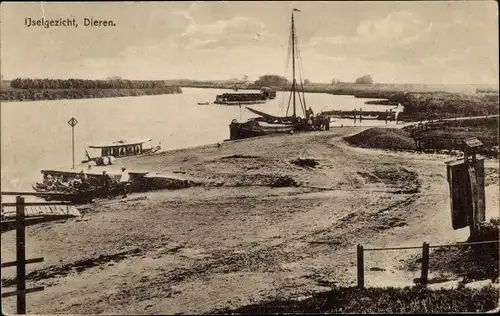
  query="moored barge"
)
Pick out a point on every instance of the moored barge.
point(242, 98)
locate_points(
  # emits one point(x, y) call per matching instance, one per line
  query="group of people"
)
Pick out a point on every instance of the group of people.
point(317, 122)
point(124, 184)
point(55, 183)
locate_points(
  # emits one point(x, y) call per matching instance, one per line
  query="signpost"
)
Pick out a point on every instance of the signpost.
point(72, 122)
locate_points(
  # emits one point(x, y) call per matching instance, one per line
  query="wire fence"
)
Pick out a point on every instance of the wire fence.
point(423, 280)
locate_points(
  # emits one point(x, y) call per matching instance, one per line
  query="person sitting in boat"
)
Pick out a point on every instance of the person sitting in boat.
point(49, 182)
point(75, 183)
point(299, 120)
point(46, 178)
point(83, 176)
point(59, 183)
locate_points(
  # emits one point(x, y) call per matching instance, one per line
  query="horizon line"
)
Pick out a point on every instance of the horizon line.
point(251, 81)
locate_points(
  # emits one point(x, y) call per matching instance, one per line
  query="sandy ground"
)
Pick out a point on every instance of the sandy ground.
point(236, 240)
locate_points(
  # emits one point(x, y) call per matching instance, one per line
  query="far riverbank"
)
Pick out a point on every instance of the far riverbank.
point(426, 102)
point(10, 94)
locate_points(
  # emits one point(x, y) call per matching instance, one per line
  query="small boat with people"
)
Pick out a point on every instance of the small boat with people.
point(119, 149)
point(79, 188)
point(203, 103)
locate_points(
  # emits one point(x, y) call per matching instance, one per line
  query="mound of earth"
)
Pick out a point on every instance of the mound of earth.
point(387, 138)
point(284, 181)
point(305, 162)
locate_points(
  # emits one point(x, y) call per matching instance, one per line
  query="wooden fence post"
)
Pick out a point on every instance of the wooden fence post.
point(361, 267)
point(20, 256)
point(425, 264)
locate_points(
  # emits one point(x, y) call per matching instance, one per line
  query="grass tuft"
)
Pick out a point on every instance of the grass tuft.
point(381, 300)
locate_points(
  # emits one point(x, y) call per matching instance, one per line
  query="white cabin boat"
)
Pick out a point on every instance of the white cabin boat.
point(121, 148)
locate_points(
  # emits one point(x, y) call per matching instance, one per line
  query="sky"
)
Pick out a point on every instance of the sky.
point(432, 42)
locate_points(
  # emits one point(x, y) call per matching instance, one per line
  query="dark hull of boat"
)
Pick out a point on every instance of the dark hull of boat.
point(82, 195)
point(240, 102)
point(253, 129)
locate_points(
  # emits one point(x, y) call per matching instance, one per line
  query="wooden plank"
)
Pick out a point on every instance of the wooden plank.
point(35, 289)
point(38, 203)
point(361, 266)
point(27, 261)
point(20, 256)
point(74, 211)
point(36, 193)
point(425, 264)
point(61, 210)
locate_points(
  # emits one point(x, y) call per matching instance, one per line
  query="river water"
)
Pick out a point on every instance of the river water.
point(36, 135)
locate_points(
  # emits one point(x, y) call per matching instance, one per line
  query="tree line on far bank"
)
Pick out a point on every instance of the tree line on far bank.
point(117, 82)
point(280, 81)
point(112, 83)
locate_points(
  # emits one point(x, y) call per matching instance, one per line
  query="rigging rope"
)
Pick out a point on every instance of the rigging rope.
point(285, 72)
point(301, 71)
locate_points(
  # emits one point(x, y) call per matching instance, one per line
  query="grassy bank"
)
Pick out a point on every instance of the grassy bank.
point(59, 94)
point(434, 105)
point(485, 130)
point(381, 300)
point(471, 263)
point(445, 137)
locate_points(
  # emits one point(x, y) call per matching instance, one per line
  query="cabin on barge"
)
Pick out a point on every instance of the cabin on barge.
point(239, 98)
point(119, 149)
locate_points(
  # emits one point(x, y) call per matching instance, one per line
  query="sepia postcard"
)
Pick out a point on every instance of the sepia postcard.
point(249, 157)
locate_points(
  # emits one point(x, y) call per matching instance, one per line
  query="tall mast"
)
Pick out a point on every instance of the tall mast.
point(293, 64)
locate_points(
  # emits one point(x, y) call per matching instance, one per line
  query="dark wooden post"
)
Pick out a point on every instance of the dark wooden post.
point(361, 267)
point(20, 256)
point(386, 114)
point(355, 112)
point(425, 264)
point(360, 115)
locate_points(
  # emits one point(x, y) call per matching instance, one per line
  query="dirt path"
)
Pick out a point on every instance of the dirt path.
point(238, 240)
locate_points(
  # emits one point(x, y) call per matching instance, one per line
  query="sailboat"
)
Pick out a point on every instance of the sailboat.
point(267, 124)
